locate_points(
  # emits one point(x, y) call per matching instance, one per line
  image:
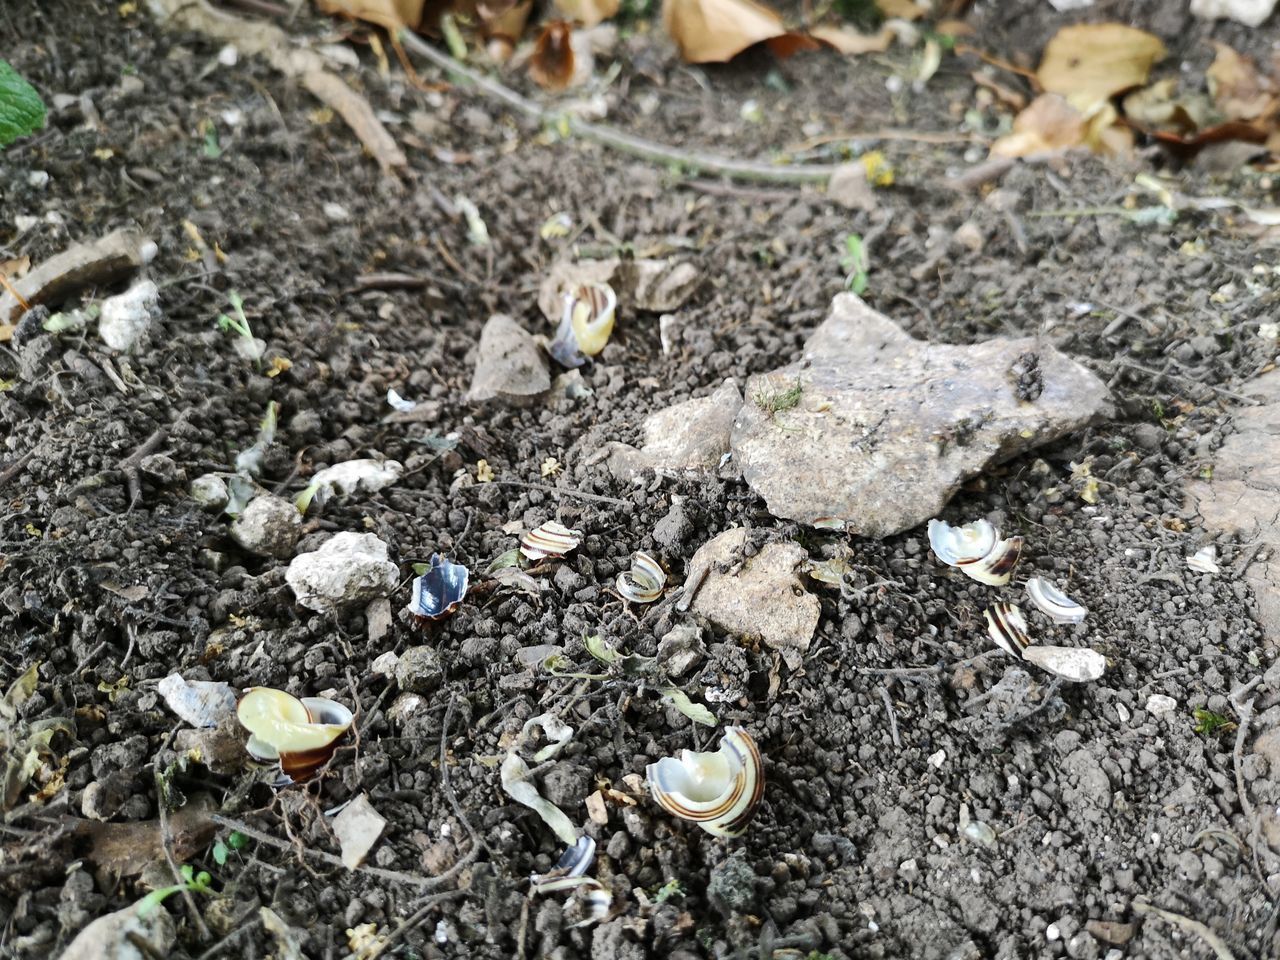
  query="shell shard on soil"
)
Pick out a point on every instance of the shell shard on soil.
point(1077, 664)
point(569, 869)
point(199, 702)
point(586, 323)
point(440, 590)
point(1204, 560)
point(1052, 602)
point(300, 734)
point(1007, 627)
point(976, 550)
point(645, 580)
point(518, 785)
point(719, 791)
point(549, 540)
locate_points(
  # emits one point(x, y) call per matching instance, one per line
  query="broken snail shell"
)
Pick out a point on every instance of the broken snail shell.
point(976, 549)
point(569, 869)
point(718, 791)
point(1204, 560)
point(1008, 628)
point(301, 734)
point(1052, 602)
point(585, 324)
point(644, 582)
point(439, 591)
point(1077, 664)
point(549, 540)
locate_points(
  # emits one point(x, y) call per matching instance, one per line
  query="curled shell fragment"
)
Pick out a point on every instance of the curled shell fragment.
point(719, 791)
point(440, 589)
point(585, 324)
point(1052, 602)
point(568, 871)
point(976, 550)
point(644, 582)
point(549, 540)
point(1204, 560)
point(1008, 628)
point(301, 734)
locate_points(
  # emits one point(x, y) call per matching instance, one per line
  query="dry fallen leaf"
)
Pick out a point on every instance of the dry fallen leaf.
point(901, 9)
point(715, 31)
point(1091, 62)
point(1238, 89)
point(1048, 123)
point(849, 41)
point(13, 269)
point(551, 65)
point(587, 12)
point(391, 14)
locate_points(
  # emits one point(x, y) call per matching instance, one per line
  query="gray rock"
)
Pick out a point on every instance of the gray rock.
point(693, 435)
point(349, 570)
point(419, 670)
point(210, 491)
point(269, 526)
point(675, 528)
point(887, 427)
point(566, 785)
point(732, 886)
point(762, 597)
point(126, 319)
point(161, 468)
point(1241, 498)
point(509, 364)
point(849, 188)
point(680, 650)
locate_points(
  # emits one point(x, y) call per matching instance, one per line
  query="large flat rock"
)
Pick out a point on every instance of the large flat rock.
point(1243, 498)
point(886, 427)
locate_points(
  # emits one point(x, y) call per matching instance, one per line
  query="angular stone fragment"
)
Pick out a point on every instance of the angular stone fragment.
point(885, 428)
point(509, 364)
point(348, 570)
point(760, 596)
point(1243, 497)
point(693, 435)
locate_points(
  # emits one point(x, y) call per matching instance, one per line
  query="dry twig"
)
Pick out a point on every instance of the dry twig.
point(1215, 942)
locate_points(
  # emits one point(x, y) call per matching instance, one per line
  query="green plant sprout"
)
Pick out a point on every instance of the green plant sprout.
point(672, 888)
point(854, 264)
point(774, 402)
point(235, 841)
point(239, 323)
point(1208, 722)
point(195, 882)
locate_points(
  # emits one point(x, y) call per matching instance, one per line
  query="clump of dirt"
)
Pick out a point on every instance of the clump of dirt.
point(901, 725)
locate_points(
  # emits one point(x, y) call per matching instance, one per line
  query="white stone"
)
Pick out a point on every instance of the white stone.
point(1252, 13)
point(348, 569)
point(126, 319)
point(358, 476)
point(210, 491)
point(1158, 704)
point(269, 526)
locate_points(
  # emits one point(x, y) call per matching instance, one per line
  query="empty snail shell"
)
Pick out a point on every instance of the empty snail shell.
point(976, 549)
point(439, 591)
point(301, 734)
point(718, 791)
point(1008, 628)
point(1077, 664)
point(569, 869)
point(1052, 602)
point(644, 582)
point(549, 540)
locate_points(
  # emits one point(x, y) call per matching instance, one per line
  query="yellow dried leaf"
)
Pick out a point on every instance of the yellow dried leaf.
point(587, 12)
point(901, 9)
point(714, 31)
point(104, 153)
point(850, 42)
point(278, 366)
point(1091, 62)
point(1049, 122)
point(879, 170)
point(390, 14)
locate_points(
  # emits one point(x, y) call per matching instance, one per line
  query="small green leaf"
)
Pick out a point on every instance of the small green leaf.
point(694, 711)
point(598, 648)
point(21, 109)
point(220, 853)
point(237, 840)
point(303, 500)
point(509, 559)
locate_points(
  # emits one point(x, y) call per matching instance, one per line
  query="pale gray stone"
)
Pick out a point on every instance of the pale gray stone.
point(349, 569)
point(886, 427)
point(269, 526)
point(509, 365)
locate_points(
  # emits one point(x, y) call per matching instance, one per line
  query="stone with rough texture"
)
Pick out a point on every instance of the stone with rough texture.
point(762, 598)
point(1243, 498)
point(1252, 13)
point(693, 435)
point(269, 526)
point(126, 319)
point(509, 364)
point(886, 427)
point(348, 570)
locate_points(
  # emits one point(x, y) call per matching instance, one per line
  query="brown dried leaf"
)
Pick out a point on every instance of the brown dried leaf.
point(391, 14)
point(505, 22)
point(1238, 89)
point(1006, 95)
point(12, 269)
point(715, 31)
point(1091, 62)
point(901, 9)
point(1048, 123)
point(330, 89)
point(850, 42)
point(587, 12)
point(551, 65)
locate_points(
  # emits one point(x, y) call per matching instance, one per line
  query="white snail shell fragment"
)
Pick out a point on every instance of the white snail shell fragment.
point(300, 734)
point(549, 540)
point(1008, 628)
point(976, 550)
point(1052, 602)
point(585, 324)
point(644, 582)
point(568, 871)
point(1077, 664)
point(1204, 560)
point(718, 791)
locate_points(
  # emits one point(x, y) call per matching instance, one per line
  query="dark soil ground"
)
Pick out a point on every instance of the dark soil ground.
point(857, 850)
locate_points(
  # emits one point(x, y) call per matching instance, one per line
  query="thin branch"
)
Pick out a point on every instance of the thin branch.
point(561, 491)
point(615, 139)
point(893, 717)
point(1215, 942)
